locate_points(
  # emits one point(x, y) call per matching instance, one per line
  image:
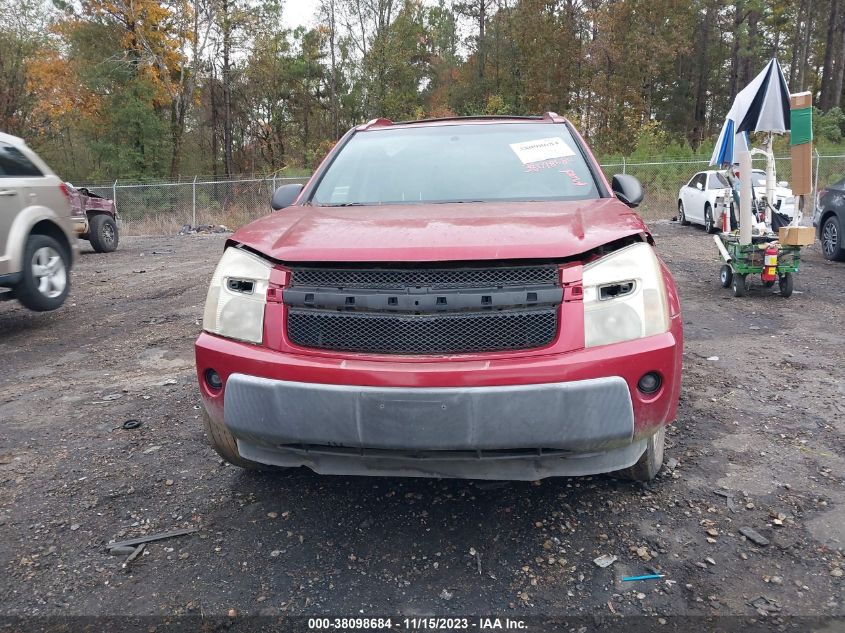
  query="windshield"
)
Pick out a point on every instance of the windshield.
point(457, 163)
point(758, 178)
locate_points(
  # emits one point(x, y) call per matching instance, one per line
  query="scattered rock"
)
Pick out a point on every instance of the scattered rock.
point(74, 527)
point(642, 552)
point(754, 536)
point(605, 560)
point(446, 595)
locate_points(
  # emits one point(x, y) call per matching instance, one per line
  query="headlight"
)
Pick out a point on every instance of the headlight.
point(237, 296)
point(624, 297)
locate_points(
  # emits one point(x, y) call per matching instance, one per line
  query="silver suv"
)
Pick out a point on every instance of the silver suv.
point(37, 243)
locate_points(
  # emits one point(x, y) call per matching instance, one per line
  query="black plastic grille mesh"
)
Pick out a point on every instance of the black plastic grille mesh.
point(463, 332)
point(425, 278)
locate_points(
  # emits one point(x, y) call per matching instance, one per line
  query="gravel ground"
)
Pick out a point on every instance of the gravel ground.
point(758, 443)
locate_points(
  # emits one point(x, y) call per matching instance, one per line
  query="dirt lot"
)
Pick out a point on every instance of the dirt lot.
point(762, 419)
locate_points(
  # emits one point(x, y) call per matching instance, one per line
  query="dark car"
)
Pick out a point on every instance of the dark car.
point(829, 220)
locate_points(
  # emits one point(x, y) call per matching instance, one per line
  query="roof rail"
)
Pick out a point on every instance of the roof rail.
point(380, 122)
point(554, 117)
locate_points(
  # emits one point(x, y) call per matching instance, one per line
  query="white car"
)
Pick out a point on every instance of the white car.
point(697, 199)
point(784, 200)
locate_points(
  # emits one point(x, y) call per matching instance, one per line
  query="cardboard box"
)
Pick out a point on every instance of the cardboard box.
point(796, 235)
point(802, 169)
point(802, 154)
point(801, 99)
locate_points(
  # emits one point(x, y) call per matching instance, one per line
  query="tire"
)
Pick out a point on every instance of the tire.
point(738, 286)
point(831, 240)
point(102, 233)
point(726, 275)
point(682, 216)
point(709, 223)
point(45, 283)
point(224, 443)
point(649, 463)
point(785, 285)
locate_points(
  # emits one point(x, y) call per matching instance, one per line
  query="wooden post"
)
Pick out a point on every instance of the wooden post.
point(801, 148)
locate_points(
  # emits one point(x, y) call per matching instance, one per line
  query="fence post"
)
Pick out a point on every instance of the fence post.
point(114, 194)
point(194, 203)
point(274, 184)
point(624, 166)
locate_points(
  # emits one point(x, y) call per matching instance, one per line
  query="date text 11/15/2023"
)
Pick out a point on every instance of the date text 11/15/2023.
point(416, 624)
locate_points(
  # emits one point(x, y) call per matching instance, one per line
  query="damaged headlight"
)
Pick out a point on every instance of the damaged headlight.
point(236, 298)
point(624, 297)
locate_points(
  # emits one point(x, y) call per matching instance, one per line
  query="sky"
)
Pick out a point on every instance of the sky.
point(299, 13)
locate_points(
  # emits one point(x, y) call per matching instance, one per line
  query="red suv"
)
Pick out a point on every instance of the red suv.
point(461, 297)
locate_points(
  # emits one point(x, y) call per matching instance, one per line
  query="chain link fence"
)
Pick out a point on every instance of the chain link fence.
point(165, 208)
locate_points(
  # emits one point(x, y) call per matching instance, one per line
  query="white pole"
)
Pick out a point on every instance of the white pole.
point(744, 197)
point(770, 180)
point(194, 204)
point(725, 255)
point(114, 194)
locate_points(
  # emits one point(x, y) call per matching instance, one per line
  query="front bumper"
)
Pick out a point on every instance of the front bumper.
point(515, 417)
point(567, 428)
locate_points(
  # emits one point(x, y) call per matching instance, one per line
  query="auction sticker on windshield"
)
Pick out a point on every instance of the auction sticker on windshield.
point(541, 149)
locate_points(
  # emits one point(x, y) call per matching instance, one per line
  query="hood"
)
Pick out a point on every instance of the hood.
point(780, 192)
point(440, 232)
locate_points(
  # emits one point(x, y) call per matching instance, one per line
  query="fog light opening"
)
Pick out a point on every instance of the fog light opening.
point(649, 383)
point(213, 380)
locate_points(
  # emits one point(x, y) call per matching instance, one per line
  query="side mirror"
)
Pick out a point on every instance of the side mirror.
point(628, 189)
point(783, 183)
point(285, 196)
point(699, 186)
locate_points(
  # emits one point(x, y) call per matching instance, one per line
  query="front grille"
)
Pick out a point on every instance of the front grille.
point(448, 333)
point(399, 278)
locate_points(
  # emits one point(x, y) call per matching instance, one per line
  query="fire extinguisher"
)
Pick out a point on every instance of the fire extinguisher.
point(770, 264)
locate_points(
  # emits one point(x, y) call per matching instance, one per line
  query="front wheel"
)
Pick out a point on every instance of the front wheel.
point(726, 276)
point(709, 224)
point(831, 239)
point(45, 281)
point(785, 285)
point(682, 216)
point(103, 234)
point(649, 463)
point(738, 285)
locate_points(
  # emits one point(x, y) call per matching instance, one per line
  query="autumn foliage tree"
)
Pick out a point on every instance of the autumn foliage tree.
point(169, 88)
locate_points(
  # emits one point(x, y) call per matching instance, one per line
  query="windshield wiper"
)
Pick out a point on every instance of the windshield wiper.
point(343, 204)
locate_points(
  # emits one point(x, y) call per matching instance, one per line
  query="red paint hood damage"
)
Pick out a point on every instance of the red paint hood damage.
point(440, 232)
